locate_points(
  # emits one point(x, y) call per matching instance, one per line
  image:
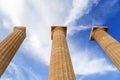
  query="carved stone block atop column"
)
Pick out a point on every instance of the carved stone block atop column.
point(53, 28)
point(23, 28)
point(94, 28)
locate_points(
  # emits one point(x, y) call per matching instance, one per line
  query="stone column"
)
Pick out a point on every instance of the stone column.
point(108, 44)
point(60, 63)
point(9, 46)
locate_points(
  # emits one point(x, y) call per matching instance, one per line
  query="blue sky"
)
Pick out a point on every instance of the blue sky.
point(32, 59)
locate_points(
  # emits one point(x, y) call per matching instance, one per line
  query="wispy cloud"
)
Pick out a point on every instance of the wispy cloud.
point(89, 60)
point(13, 9)
point(16, 72)
point(84, 64)
point(79, 8)
point(73, 29)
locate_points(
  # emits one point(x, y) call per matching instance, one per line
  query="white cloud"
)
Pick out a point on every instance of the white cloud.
point(6, 79)
point(79, 8)
point(85, 64)
point(89, 61)
point(74, 29)
point(39, 15)
point(16, 72)
point(6, 23)
point(12, 8)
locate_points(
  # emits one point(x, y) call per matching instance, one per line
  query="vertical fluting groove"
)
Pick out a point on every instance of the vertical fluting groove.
point(5, 43)
point(61, 58)
point(60, 62)
point(114, 59)
point(12, 51)
point(9, 46)
point(9, 51)
point(12, 48)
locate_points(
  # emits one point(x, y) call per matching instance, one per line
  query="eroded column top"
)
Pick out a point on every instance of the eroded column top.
point(97, 28)
point(54, 28)
point(23, 28)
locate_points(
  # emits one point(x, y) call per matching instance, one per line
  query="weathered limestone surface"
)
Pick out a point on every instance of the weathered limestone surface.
point(60, 63)
point(108, 44)
point(9, 46)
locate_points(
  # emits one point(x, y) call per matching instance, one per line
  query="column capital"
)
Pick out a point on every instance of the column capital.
point(53, 28)
point(96, 28)
point(23, 28)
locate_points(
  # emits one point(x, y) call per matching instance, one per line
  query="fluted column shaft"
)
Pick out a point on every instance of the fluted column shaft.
point(9, 46)
point(60, 63)
point(109, 45)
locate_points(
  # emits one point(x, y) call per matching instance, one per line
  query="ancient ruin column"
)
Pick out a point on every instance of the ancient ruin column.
point(9, 46)
point(108, 44)
point(60, 63)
